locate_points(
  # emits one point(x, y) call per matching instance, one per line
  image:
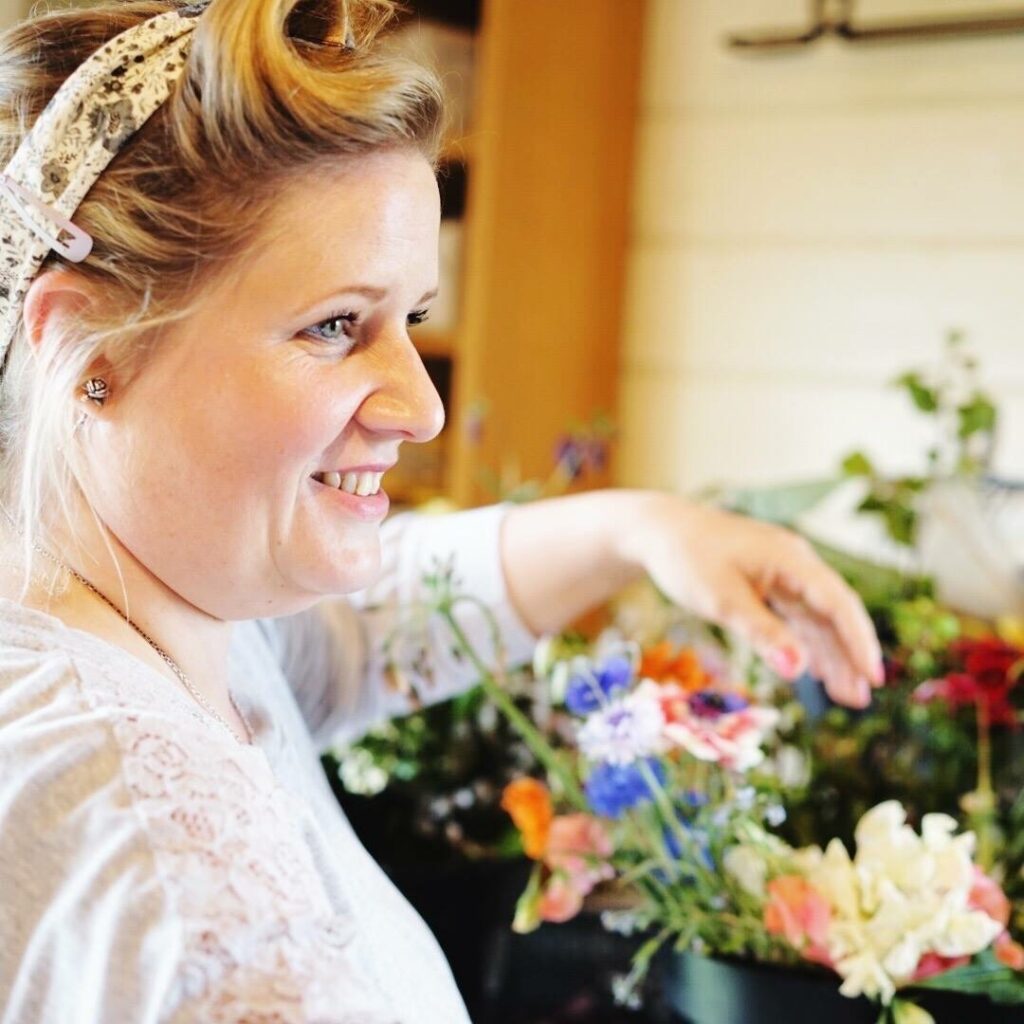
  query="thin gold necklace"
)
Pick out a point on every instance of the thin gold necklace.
point(171, 663)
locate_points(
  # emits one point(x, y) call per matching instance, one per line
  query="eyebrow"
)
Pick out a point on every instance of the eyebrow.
point(368, 291)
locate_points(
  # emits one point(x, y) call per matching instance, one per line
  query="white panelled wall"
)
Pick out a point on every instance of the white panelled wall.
point(805, 227)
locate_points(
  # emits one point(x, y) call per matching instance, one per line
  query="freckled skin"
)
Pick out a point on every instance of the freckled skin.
point(202, 466)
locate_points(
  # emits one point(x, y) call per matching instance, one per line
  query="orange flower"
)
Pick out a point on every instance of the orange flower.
point(664, 664)
point(1009, 953)
point(529, 804)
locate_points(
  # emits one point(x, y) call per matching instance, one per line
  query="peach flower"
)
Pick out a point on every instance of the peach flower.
point(797, 911)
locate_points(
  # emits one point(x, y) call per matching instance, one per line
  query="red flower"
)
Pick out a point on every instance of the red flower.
point(990, 669)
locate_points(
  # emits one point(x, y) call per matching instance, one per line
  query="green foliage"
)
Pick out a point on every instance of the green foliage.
point(984, 975)
point(965, 419)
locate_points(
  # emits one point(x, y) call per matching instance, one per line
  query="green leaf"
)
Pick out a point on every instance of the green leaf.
point(924, 397)
point(857, 464)
point(984, 975)
point(901, 523)
point(976, 416)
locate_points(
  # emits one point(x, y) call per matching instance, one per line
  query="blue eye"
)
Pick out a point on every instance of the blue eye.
point(337, 327)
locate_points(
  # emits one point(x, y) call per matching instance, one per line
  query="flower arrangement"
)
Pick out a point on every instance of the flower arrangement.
point(663, 799)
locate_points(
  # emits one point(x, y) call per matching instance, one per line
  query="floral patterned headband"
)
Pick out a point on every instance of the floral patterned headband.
point(84, 126)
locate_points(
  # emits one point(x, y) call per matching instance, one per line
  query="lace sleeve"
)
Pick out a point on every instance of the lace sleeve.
point(333, 655)
point(155, 871)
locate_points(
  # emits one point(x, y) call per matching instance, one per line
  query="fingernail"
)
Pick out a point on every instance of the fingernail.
point(863, 692)
point(878, 674)
point(787, 661)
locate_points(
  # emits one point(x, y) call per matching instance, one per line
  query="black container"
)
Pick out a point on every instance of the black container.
point(706, 990)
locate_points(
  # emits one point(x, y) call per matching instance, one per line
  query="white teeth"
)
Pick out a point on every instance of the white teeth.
point(369, 483)
point(362, 484)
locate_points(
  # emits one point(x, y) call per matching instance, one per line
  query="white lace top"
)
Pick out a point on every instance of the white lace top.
point(153, 868)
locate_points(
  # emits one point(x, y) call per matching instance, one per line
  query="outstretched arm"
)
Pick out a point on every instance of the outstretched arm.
point(563, 556)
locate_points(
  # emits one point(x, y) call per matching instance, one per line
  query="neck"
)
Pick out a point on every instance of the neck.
point(196, 641)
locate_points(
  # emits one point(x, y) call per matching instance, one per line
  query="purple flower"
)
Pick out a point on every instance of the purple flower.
point(613, 789)
point(571, 456)
point(588, 692)
point(713, 704)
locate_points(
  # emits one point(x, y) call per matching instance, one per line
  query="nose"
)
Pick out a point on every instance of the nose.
point(405, 401)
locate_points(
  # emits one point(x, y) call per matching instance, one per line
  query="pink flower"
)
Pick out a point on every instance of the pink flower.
point(986, 895)
point(560, 899)
point(798, 912)
point(1009, 953)
point(714, 725)
point(578, 848)
point(931, 964)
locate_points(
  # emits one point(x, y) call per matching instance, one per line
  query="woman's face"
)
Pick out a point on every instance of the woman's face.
point(209, 466)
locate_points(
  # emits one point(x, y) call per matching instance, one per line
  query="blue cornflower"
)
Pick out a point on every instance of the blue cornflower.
point(588, 691)
point(612, 789)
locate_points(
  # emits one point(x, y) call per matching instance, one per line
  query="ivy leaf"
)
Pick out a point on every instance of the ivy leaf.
point(857, 464)
point(976, 416)
point(924, 397)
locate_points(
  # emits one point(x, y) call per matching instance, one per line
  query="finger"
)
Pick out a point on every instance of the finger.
point(742, 611)
point(828, 659)
point(828, 595)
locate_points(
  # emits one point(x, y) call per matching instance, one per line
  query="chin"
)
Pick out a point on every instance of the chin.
point(354, 567)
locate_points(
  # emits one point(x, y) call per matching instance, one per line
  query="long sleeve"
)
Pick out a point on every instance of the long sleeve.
point(333, 655)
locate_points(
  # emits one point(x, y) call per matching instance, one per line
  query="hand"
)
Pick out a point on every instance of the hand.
point(764, 583)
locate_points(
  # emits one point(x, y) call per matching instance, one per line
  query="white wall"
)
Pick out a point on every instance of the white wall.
point(12, 11)
point(805, 227)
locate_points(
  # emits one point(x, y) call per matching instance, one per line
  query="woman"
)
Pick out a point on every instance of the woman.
point(217, 234)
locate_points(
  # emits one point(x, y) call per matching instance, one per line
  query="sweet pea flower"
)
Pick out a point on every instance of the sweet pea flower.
point(902, 908)
point(528, 803)
point(560, 900)
point(797, 911)
point(1009, 953)
point(579, 845)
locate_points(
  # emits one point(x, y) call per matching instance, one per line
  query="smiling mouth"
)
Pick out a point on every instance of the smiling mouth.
point(361, 484)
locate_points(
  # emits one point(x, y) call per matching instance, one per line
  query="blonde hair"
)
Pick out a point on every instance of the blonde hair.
point(282, 88)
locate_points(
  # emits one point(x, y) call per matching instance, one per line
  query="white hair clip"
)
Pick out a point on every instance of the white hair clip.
point(68, 239)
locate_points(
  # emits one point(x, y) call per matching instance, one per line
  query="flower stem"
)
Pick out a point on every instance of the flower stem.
point(531, 736)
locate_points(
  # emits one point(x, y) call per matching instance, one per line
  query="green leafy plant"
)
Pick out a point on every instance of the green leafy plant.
point(965, 421)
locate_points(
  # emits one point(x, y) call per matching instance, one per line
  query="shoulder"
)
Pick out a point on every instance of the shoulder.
point(164, 851)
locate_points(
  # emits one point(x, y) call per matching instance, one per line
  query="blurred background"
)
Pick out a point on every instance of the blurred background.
point(726, 252)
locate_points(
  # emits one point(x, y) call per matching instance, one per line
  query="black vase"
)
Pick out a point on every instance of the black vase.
point(712, 990)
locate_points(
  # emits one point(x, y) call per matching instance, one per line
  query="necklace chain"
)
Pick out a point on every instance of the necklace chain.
point(171, 663)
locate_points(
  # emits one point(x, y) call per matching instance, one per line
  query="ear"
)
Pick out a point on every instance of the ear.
point(52, 298)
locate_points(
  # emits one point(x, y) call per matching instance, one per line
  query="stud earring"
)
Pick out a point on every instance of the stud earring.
point(96, 389)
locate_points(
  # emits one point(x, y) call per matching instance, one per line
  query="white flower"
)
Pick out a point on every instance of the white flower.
point(628, 728)
point(360, 775)
point(748, 867)
point(792, 767)
point(902, 897)
point(967, 933)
